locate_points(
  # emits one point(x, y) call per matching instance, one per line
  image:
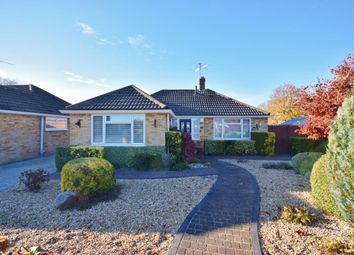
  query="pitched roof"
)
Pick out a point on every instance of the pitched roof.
point(186, 102)
point(127, 98)
point(30, 98)
point(294, 122)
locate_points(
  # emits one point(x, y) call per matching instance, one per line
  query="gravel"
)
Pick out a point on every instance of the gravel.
point(143, 219)
point(284, 187)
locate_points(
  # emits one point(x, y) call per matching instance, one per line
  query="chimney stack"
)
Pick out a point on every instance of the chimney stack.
point(202, 83)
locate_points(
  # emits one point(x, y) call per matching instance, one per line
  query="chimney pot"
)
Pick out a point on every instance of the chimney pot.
point(202, 83)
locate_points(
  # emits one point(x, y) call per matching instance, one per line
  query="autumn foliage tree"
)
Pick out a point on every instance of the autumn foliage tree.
point(282, 104)
point(321, 101)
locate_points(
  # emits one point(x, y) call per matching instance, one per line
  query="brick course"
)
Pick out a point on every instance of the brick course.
point(20, 138)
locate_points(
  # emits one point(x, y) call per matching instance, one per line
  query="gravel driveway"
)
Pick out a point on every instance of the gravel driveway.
point(142, 220)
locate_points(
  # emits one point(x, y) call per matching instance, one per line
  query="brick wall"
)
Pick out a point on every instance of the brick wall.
point(53, 139)
point(155, 135)
point(80, 135)
point(20, 138)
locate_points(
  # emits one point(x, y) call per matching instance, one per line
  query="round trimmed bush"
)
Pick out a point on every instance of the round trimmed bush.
point(341, 159)
point(88, 176)
point(303, 162)
point(320, 187)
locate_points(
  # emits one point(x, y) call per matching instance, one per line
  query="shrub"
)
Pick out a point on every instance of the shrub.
point(4, 243)
point(67, 153)
point(341, 159)
point(88, 176)
point(146, 161)
point(213, 147)
point(277, 165)
point(321, 147)
point(297, 215)
point(174, 143)
point(189, 148)
point(303, 162)
point(300, 144)
point(167, 160)
point(240, 148)
point(264, 142)
point(179, 166)
point(337, 246)
point(309, 161)
point(320, 187)
point(124, 156)
point(33, 179)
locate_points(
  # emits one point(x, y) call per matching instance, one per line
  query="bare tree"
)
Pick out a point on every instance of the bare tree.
point(4, 81)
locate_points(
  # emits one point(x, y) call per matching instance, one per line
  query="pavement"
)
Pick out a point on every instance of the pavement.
point(9, 173)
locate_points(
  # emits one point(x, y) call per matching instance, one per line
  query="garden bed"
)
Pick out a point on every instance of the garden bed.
point(280, 187)
point(143, 219)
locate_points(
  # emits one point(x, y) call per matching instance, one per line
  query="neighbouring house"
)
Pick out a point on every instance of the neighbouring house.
point(30, 122)
point(131, 117)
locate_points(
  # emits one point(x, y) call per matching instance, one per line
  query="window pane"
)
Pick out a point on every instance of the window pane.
point(232, 131)
point(55, 123)
point(246, 129)
point(174, 123)
point(196, 129)
point(118, 133)
point(138, 131)
point(97, 129)
point(218, 128)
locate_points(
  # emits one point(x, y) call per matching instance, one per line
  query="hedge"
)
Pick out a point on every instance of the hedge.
point(304, 161)
point(218, 147)
point(123, 156)
point(264, 142)
point(117, 156)
point(300, 144)
point(320, 190)
point(67, 153)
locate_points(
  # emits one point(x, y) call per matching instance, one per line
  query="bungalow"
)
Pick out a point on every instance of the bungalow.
point(131, 117)
point(30, 123)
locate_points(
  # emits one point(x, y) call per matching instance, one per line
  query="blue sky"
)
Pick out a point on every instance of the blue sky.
point(80, 49)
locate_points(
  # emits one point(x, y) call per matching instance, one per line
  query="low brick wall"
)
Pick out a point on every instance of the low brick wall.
point(20, 138)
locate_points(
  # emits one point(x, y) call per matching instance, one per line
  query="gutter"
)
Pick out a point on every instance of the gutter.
point(117, 111)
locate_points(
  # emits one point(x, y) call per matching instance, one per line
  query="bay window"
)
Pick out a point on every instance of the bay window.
point(232, 128)
point(118, 129)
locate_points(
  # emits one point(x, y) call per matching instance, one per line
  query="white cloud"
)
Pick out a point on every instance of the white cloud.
point(3, 74)
point(86, 29)
point(138, 41)
point(73, 77)
point(103, 41)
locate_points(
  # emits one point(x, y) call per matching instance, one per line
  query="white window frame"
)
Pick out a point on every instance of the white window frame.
point(223, 126)
point(56, 129)
point(104, 122)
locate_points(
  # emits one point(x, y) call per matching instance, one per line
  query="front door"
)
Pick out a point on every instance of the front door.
point(185, 125)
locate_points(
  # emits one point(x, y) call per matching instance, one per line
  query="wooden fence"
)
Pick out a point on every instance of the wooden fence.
point(282, 135)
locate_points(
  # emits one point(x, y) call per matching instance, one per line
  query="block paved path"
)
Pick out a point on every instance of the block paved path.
point(225, 221)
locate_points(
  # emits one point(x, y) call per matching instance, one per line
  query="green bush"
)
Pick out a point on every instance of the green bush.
point(67, 153)
point(240, 147)
point(320, 187)
point(123, 156)
point(303, 162)
point(264, 142)
point(179, 166)
point(300, 144)
point(88, 176)
point(213, 147)
point(341, 159)
point(174, 144)
point(146, 161)
point(298, 215)
point(321, 147)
